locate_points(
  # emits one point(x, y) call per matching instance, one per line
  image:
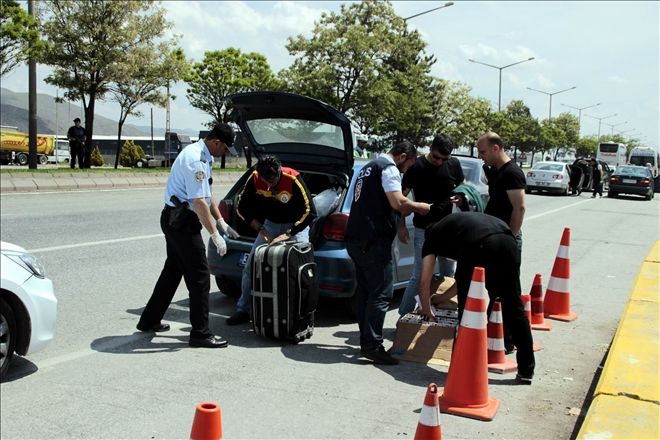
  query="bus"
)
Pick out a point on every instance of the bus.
point(612, 154)
point(645, 157)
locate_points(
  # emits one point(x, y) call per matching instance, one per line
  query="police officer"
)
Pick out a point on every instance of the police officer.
point(77, 136)
point(377, 206)
point(189, 205)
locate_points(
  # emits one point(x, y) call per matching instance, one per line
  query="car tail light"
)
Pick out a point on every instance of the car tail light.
point(530, 174)
point(335, 226)
point(614, 179)
point(224, 209)
point(557, 176)
point(645, 182)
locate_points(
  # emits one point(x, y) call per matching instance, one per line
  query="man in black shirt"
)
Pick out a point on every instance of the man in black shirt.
point(506, 184)
point(477, 239)
point(77, 137)
point(432, 179)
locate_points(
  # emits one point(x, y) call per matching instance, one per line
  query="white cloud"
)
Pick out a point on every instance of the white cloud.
point(544, 82)
point(446, 70)
point(617, 79)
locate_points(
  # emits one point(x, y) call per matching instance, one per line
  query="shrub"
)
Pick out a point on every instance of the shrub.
point(130, 153)
point(97, 158)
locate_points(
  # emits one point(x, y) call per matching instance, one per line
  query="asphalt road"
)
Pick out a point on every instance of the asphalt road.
point(101, 379)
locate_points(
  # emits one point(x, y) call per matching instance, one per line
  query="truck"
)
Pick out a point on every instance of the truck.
point(14, 146)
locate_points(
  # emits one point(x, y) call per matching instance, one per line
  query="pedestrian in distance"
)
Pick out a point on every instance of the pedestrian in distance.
point(378, 205)
point(597, 178)
point(189, 206)
point(276, 203)
point(432, 178)
point(476, 239)
point(77, 137)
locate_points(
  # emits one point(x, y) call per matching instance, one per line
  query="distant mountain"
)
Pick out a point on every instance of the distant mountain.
point(14, 113)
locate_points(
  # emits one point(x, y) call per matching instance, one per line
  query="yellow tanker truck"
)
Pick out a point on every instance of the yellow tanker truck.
point(14, 146)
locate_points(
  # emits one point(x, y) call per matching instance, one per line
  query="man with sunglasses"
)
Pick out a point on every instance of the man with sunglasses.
point(432, 179)
point(276, 203)
point(189, 206)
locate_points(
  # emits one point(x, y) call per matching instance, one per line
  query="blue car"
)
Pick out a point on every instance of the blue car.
point(316, 140)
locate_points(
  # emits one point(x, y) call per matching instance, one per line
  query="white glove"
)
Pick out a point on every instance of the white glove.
point(219, 242)
point(224, 227)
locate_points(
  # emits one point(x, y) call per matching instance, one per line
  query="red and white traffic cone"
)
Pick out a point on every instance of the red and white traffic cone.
point(536, 292)
point(497, 361)
point(527, 307)
point(557, 303)
point(429, 427)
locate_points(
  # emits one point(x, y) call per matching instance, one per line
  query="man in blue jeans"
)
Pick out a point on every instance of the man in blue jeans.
point(276, 203)
point(377, 207)
point(432, 179)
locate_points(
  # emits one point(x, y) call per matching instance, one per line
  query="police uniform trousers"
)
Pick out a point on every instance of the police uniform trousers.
point(498, 255)
point(186, 257)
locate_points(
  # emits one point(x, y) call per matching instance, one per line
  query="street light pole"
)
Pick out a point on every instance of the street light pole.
point(579, 109)
point(601, 120)
point(615, 125)
point(550, 95)
point(500, 68)
point(446, 5)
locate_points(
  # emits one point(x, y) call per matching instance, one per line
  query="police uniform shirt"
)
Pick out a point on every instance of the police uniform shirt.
point(191, 177)
point(391, 177)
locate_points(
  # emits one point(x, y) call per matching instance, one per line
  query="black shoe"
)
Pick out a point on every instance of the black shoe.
point(508, 349)
point(524, 379)
point(158, 328)
point(238, 318)
point(379, 356)
point(211, 341)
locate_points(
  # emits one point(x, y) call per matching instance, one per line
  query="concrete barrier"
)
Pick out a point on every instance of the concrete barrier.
point(626, 402)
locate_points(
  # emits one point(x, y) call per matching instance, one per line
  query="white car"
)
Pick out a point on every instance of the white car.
point(550, 177)
point(28, 307)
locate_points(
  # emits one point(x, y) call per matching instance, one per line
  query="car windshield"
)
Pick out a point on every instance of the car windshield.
point(548, 167)
point(470, 170)
point(632, 171)
point(296, 131)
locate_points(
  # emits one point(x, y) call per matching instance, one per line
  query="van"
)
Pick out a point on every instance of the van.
point(645, 157)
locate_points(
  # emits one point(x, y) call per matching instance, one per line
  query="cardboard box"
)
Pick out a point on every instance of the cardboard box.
point(426, 342)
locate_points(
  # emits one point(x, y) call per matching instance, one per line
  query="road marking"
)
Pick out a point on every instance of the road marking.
point(78, 191)
point(93, 243)
point(534, 217)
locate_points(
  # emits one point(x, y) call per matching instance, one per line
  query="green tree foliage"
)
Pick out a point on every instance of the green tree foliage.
point(91, 41)
point(517, 127)
point(96, 159)
point(19, 36)
point(560, 132)
point(364, 62)
point(130, 153)
point(586, 146)
point(143, 83)
point(457, 113)
point(224, 72)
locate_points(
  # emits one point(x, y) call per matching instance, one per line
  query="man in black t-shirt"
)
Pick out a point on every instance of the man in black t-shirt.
point(476, 239)
point(77, 137)
point(432, 178)
point(506, 184)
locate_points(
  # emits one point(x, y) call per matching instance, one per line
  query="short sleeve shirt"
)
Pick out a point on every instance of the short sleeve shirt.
point(508, 177)
point(191, 175)
point(391, 176)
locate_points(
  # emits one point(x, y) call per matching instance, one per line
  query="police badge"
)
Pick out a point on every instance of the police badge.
point(199, 176)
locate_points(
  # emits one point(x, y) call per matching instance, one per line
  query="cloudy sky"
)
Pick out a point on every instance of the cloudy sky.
point(608, 50)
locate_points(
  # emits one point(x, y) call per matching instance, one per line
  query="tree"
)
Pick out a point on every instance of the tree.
point(517, 127)
point(143, 82)
point(455, 112)
point(91, 41)
point(19, 36)
point(364, 62)
point(586, 146)
point(560, 132)
point(224, 72)
point(97, 158)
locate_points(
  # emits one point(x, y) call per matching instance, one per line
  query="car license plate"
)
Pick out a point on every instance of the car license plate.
point(242, 261)
point(544, 183)
point(629, 181)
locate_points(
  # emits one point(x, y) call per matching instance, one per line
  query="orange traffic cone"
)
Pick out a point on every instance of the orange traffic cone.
point(527, 307)
point(497, 361)
point(557, 303)
point(538, 320)
point(428, 427)
point(466, 387)
point(207, 424)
